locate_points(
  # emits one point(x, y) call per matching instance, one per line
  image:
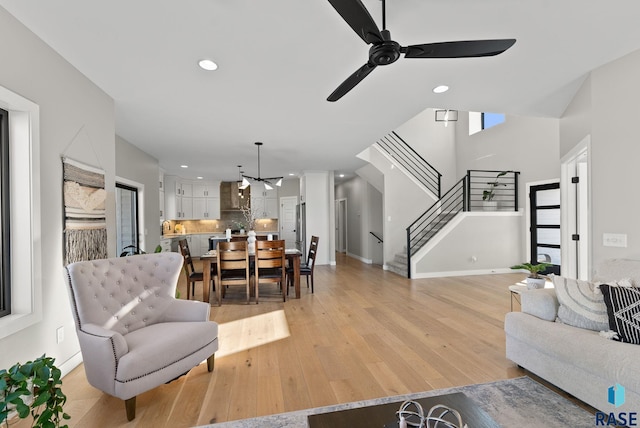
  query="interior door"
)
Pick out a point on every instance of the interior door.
point(341, 225)
point(545, 225)
point(288, 220)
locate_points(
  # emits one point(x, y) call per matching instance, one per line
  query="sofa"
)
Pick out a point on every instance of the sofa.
point(581, 361)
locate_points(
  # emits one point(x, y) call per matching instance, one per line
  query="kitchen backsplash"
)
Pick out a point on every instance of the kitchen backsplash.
point(217, 226)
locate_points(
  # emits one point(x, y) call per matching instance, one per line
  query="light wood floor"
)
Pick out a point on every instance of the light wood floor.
point(364, 333)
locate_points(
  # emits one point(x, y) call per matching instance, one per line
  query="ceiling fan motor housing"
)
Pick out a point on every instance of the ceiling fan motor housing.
point(384, 53)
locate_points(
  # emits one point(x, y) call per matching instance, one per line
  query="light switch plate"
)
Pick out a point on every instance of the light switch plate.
point(614, 239)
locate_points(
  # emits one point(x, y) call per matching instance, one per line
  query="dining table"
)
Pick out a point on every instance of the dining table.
point(210, 261)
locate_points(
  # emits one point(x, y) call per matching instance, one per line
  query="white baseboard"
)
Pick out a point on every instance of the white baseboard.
point(461, 273)
point(362, 259)
point(70, 364)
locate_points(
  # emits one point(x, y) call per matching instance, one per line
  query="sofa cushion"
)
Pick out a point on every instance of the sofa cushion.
point(581, 304)
point(623, 309)
point(541, 303)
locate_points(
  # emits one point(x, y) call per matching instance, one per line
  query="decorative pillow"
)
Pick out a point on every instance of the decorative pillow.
point(624, 282)
point(623, 309)
point(581, 304)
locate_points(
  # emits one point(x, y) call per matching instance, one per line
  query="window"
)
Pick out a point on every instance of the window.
point(126, 217)
point(5, 217)
point(24, 212)
point(479, 121)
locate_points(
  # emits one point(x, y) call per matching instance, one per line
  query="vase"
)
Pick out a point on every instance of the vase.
point(535, 283)
point(251, 241)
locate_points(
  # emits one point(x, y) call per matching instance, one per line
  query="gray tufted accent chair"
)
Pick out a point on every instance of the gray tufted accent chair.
point(134, 335)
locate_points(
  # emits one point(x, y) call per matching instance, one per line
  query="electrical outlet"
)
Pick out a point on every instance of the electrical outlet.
point(59, 334)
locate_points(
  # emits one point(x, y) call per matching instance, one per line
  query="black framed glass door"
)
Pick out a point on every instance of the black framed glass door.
point(545, 225)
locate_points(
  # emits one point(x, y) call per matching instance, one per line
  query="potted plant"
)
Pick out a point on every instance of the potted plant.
point(534, 280)
point(33, 388)
point(490, 192)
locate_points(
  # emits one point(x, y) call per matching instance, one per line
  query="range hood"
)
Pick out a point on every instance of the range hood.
point(229, 197)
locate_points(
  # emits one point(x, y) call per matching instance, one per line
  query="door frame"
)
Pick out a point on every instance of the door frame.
point(140, 210)
point(577, 259)
point(341, 226)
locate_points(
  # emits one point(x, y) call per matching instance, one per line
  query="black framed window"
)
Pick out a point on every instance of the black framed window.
point(5, 217)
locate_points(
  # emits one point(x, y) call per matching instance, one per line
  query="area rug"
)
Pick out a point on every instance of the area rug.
point(517, 403)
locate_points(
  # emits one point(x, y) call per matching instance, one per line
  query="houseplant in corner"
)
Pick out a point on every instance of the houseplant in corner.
point(33, 388)
point(490, 192)
point(534, 280)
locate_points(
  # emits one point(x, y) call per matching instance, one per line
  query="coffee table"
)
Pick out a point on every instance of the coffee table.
point(384, 415)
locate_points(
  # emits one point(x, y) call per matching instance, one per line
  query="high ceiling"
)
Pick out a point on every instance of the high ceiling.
point(279, 60)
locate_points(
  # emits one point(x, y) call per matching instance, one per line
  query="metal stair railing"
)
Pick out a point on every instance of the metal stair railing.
point(436, 217)
point(411, 161)
point(471, 193)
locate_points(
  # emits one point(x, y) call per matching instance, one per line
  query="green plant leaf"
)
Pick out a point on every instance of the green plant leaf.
point(41, 399)
point(22, 409)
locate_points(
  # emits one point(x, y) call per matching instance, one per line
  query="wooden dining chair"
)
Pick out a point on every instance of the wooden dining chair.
point(307, 268)
point(270, 265)
point(192, 275)
point(233, 267)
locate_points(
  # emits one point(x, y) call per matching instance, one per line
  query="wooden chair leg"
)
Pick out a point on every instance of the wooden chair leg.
point(130, 406)
point(311, 284)
point(210, 362)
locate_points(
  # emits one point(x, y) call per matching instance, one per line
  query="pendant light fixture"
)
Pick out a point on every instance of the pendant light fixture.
point(268, 182)
point(239, 182)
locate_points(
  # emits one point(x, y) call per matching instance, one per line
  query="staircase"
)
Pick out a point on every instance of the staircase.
point(466, 195)
point(400, 261)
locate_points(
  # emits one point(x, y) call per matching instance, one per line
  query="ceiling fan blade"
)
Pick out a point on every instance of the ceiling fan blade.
point(351, 81)
point(462, 49)
point(358, 18)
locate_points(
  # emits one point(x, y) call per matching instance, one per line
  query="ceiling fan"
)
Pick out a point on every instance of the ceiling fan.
point(385, 51)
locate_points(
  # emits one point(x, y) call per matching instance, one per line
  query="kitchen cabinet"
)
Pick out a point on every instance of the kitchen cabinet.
point(183, 189)
point(165, 243)
point(178, 203)
point(161, 195)
point(206, 208)
point(264, 203)
point(187, 200)
point(162, 210)
point(206, 189)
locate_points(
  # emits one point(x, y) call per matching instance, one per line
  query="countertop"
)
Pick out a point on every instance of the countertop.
point(213, 234)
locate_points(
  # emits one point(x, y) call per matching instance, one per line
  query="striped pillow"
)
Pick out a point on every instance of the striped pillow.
point(623, 309)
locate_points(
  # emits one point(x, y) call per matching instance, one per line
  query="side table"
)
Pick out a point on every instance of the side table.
point(515, 291)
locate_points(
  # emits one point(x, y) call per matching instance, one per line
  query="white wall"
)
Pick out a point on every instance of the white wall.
point(435, 142)
point(530, 145)
point(69, 103)
point(136, 165)
point(479, 243)
point(317, 192)
point(364, 215)
point(607, 107)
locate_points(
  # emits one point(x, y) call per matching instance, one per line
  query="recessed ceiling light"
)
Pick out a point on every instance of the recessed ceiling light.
point(291, 174)
point(440, 89)
point(199, 178)
point(184, 166)
point(207, 64)
point(341, 175)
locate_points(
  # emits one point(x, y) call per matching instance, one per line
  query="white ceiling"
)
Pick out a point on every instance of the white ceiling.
point(280, 59)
